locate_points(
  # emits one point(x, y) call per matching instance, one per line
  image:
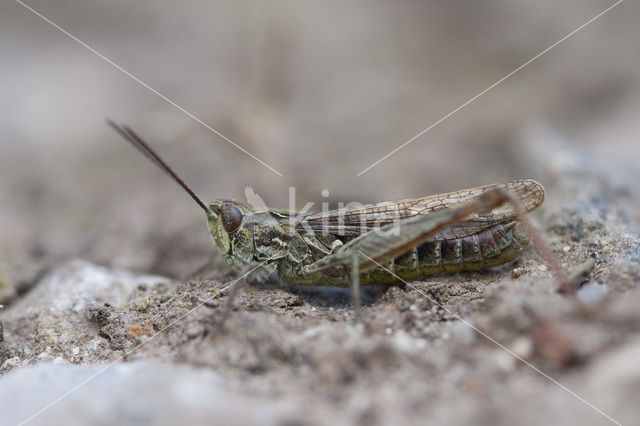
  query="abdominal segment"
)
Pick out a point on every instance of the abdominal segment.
point(493, 247)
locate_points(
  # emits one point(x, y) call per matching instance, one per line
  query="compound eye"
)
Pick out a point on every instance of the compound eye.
point(231, 217)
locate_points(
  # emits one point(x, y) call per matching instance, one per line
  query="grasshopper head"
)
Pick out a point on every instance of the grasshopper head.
point(227, 222)
point(232, 225)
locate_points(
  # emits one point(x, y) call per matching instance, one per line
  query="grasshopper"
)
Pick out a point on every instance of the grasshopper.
point(381, 243)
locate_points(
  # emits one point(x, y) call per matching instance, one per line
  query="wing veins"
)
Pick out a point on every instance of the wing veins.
point(357, 220)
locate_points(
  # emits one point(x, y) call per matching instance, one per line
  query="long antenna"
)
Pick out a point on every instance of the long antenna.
point(142, 146)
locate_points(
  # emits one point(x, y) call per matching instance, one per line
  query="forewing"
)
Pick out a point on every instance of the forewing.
point(352, 222)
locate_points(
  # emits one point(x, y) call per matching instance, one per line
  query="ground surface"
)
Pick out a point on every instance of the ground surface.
point(298, 357)
point(99, 251)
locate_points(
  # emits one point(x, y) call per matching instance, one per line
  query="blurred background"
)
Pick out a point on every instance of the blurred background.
point(317, 90)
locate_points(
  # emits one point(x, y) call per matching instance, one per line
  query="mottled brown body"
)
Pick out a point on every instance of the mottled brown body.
point(316, 249)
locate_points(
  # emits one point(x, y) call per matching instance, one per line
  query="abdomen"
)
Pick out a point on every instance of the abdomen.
point(493, 247)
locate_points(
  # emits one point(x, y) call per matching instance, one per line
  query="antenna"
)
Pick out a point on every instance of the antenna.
point(142, 146)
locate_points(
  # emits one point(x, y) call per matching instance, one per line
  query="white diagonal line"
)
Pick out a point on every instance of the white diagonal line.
point(518, 357)
point(133, 77)
point(491, 87)
point(93, 376)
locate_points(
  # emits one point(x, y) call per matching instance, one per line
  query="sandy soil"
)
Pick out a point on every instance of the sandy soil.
point(99, 251)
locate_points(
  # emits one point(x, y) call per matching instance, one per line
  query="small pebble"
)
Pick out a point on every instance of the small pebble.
point(505, 361)
point(522, 346)
point(11, 362)
point(94, 344)
point(592, 292)
point(403, 342)
point(194, 330)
